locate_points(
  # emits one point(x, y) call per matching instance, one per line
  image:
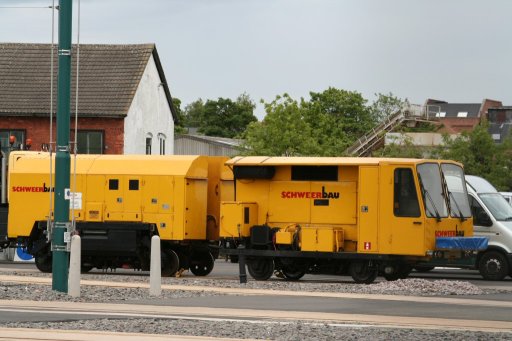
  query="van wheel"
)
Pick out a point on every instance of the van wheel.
point(493, 266)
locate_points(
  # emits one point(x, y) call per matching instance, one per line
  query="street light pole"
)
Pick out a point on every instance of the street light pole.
point(60, 260)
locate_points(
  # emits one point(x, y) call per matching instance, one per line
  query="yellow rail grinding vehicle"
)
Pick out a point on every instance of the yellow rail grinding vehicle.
point(119, 203)
point(361, 216)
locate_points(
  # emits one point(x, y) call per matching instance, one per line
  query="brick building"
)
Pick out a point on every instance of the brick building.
point(124, 103)
point(459, 117)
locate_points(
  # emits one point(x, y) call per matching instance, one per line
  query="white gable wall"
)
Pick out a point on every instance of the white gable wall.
point(149, 115)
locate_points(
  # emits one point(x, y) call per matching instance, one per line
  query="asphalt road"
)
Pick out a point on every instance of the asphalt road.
point(484, 310)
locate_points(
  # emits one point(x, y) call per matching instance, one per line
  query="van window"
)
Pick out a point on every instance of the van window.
point(498, 206)
point(405, 197)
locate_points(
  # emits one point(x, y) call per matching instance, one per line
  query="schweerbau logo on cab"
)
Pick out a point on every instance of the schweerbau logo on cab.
point(310, 195)
point(33, 189)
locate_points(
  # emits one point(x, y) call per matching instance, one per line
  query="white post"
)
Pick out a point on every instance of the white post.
point(74, 267)
point(155, 270)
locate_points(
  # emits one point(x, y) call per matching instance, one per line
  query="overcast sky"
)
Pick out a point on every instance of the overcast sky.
point(454, 50)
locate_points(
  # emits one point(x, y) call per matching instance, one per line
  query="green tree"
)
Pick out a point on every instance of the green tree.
point(283, 131)
point(227, 118)
point(481, 156)
point(193, 114)
point(326, 124)
point(386, 105)
point(404, 148)
point(179, 127)
point(337, 117)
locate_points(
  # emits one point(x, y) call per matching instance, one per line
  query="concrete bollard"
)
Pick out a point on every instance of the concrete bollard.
point(155, 273)
point(74, 267)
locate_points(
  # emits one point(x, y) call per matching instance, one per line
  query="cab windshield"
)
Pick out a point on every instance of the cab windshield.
point(498, 206)
point(457, 192)
point(431, 186)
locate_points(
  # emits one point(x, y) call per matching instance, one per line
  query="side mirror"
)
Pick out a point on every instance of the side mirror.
point(483, 219)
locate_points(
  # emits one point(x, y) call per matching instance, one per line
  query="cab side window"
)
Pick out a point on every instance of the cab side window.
point(405, 203)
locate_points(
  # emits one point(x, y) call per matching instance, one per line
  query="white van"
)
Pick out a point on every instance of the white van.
point(492, 218)
point(507, 196)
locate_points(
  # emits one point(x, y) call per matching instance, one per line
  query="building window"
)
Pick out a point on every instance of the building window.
point(149, 141)
point(90, 142)
point(19, 136)
point(161, 139)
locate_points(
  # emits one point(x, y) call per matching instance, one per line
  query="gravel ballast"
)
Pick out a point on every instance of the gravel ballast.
point(268, 330)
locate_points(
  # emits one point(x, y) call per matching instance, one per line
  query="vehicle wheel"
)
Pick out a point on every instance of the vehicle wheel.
point(423, 268)
point(362, 272)
point(493, 266)
point(402, 271)
point(293, 272)
point(43, 262)
point(201, 263)
point(261, 269)
point(170, 263)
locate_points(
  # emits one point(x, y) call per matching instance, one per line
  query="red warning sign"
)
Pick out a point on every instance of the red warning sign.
point(367, 245)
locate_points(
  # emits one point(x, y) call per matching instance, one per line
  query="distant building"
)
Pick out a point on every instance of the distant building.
point(500, 122)
point(456, 118)
point(205, 145)
point(459, 117)
point(124, 103)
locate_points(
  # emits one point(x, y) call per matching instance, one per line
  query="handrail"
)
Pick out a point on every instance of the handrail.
point(374, 136)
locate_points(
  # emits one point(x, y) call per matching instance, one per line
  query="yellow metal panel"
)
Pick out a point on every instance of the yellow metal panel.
point(163, 222)
point(195, 210)
point(368, 210)
point(289, 202)
point(237, 218)
point(151, 200)
point(132, 198)
point(95, 188)
point(29, 202)
point(178, 227)
point(114, 201)
point(406, 234)
point(255, 191)
point(324, 239)
point(284, 237)
point(334, 203)
point(94, 211)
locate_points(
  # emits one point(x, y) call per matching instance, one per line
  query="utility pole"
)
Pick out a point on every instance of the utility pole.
point(60, 260)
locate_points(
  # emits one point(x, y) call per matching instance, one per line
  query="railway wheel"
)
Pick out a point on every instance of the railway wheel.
point(261, 269)
point(170, 263)
point(293, 272)
point(201, 263)
point(493, 266)
point(43, 262)
point(401, 272)
point(362, 272)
